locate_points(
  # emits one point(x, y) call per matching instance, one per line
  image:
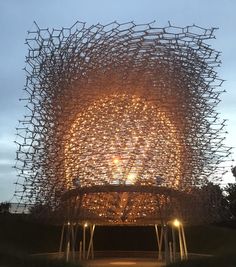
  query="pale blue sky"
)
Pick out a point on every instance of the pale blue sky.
point(17, 16)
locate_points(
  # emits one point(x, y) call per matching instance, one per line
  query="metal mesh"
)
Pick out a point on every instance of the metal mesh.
point(121, 105)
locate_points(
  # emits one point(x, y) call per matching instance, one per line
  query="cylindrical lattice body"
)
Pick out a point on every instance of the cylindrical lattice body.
point(120, 105)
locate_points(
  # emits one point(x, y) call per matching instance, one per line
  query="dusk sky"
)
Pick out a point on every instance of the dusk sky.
point(17, 16)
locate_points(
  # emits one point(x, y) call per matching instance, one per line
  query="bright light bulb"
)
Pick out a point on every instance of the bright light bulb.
point(131, 178)
point(176, 223)
point(116, 160)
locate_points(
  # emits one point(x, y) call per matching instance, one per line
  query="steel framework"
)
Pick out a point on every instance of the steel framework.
point(122, 125)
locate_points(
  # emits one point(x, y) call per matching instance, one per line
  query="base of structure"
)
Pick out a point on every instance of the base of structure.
point(171, 242)
point(72, 244)
point(170, 238)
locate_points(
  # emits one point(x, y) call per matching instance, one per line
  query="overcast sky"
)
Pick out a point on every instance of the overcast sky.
point(17, 16)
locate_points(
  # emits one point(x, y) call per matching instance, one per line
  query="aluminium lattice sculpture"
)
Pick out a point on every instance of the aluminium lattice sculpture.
point(122, 122)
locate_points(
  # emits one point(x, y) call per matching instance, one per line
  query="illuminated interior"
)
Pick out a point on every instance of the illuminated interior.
point(122, 139)
point(121, 123)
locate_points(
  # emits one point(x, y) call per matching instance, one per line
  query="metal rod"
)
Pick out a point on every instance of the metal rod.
point(91, 241)
point(68, 243)
point(174, 243)
point(159, 241)
point(84, 241)
point(62, 237)
point(167, 258)
point(184, 242)
point(180, 244)
point(170, 251)
point(80, 250)
point(72, 242)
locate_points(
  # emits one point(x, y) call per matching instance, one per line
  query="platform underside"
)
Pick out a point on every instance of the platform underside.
point(130, 205)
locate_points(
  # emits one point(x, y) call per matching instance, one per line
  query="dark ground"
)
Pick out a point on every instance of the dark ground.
point(33, 237)
point(21, 236)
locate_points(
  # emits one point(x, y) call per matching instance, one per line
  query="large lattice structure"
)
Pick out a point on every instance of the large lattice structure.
point(121, 121)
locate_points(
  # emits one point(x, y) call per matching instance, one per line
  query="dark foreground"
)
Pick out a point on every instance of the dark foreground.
point(221, 261)
point(20, 238)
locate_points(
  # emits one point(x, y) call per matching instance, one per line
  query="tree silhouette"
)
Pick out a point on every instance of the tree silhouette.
point(5, 207)
point(231, 198)
point(234, 171)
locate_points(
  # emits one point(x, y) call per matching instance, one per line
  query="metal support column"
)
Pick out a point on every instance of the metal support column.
point(90, 247)
point(84, 240)
point(184, 242)
point(68, 242)
point(62, 238)
point(159, 236)
point(167, 256)
point(174, 243)
point(181, 244)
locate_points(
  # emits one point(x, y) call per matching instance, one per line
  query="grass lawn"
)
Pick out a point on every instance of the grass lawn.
point(11, 258)
point(216, 240)
point(19, 238)
point(227, 260)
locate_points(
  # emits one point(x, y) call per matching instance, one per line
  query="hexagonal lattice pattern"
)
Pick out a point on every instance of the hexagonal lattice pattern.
point(121, 105)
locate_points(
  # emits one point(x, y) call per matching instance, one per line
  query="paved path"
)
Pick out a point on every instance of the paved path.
point(123, 262)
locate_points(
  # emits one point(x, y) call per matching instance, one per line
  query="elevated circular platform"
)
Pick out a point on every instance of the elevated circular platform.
point(128, 204)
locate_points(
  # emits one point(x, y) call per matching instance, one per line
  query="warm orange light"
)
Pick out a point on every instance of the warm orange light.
point(131, 178)
point(176, 223)
point(116, 160)
point(122, 127)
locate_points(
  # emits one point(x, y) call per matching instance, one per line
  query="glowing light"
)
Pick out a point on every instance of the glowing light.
point(176, 223)
point(138, 131)
point(116, 160)
point(131, 178)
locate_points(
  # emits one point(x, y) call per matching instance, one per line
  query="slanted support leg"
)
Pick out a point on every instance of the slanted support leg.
point(73, 242)
point(62, 238)
point(167, 256)
point(170, 251)
point(181, 243)
point(184, 242)
point(68, 242)
point(90, 247)
point(80, 250)
point(84, 240)
point(174, 243)
point(159, 236)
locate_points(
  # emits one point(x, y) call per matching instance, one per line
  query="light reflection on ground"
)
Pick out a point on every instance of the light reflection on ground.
point(122, 263)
